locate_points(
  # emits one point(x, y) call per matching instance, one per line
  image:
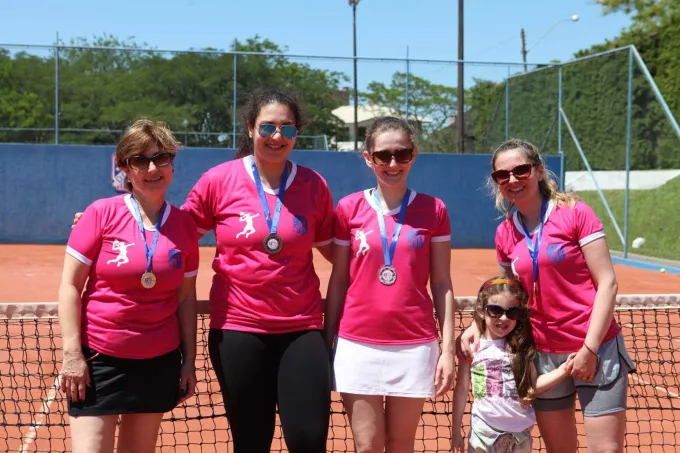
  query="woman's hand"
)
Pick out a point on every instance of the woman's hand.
point(75, 376)
point(468, 343)
point(584, 365)
point(76, 218)
point(443, 377)
point(187, 382)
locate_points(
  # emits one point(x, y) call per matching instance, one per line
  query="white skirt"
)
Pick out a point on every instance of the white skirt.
point(401, 370)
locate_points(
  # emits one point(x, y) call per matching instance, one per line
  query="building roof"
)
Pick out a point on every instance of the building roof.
point(367, 113)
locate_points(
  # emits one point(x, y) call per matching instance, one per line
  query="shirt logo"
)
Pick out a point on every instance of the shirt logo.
point(175, 258)
point(556, 253)
point(120, 247)
point(363, 245)
point(300, 225)
point(415, 239)
point(248, 219)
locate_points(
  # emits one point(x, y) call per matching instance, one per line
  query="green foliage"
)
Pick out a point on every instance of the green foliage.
point(651, 216)
point(192, 92)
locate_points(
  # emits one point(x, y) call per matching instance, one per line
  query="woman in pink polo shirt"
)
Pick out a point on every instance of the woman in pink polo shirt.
point(265, 341)
point(555, 245)
point(389, 242)
point(129, 342)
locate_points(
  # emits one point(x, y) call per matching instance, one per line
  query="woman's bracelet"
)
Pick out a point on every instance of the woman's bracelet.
point(591, 351)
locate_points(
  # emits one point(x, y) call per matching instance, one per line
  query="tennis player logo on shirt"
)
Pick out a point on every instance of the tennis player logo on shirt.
point(363, 245)
point(512, 266)
point(249, 228)
point(120, 247)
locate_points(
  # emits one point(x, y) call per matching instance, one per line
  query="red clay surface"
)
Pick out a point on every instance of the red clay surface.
point(32, 412)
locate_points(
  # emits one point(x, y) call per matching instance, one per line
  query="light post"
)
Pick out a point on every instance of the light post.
point(354, 4)
point(523, 36)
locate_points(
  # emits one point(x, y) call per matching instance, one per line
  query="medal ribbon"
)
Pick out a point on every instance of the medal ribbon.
point(273, 225)
point(535, 246)
point(156, 234)
point(389, 254)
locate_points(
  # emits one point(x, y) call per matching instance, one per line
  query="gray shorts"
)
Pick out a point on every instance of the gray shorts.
point(607, 393)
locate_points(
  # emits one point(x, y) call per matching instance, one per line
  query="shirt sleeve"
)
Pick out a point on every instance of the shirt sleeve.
point(192, 255)
point(324, 233)
point(342, 232)
point(587, 226)
point(200, 204)
point(502, 255)
point(85, 240)
point(442, 232)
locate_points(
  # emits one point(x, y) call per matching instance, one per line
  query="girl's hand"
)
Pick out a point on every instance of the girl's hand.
point(457, 441)
point(76, 218)
point(75, 376)
point(584, 365)
point(187, 381)
point(443, 376)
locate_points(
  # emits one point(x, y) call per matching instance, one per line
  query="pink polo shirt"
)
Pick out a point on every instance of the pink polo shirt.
point(120, 317)
point(402, 313)
point(252, 290)
point(565, 289)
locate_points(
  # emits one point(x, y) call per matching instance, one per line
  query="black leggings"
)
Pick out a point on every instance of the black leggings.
point(257, 371)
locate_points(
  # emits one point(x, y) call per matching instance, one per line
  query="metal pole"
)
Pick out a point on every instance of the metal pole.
point(356, 96)
point(629, 120)
point(563, 171)
point(523, 37)
point(507, 108)
point(408, 76)
point(235, 100)
point(460, 116)
point(56, 92)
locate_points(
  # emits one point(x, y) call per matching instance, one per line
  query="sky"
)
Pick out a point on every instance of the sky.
point(385, 28)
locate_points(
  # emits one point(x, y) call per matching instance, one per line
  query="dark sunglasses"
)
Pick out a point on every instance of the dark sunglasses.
point(288, 132)
point(402, 156)
point(496, 311)
point(142, 162)
point(520, 172)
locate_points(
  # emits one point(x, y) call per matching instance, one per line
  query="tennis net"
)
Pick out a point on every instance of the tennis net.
point(33, 411)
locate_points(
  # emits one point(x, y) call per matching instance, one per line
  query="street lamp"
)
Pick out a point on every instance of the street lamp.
point(525, 51)
point(354, 4)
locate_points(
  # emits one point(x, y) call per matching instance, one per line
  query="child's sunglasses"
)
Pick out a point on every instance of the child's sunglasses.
point(288, 132)
point(140, 162)
point(402, 156)
point(496, 311)
point(520, 172)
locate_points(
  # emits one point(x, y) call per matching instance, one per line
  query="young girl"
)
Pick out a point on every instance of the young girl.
point(504, 378)
point(390, 241)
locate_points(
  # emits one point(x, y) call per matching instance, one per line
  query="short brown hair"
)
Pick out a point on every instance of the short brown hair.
point(385, 124)
point(140, 136)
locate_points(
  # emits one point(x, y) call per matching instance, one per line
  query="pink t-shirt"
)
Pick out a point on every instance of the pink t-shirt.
point(402, 313)
point(565, 290)
point(120, 317)
point(252, 290)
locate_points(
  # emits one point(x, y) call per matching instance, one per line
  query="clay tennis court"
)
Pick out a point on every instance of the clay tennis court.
point(32, 410)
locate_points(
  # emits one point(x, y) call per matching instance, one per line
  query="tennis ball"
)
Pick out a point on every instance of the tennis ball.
point(662, 270)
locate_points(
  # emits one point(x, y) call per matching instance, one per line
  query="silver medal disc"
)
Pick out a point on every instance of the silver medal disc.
point(387, 275)
point(273, 244)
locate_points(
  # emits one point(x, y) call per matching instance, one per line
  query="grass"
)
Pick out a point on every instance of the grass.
point(653, 215)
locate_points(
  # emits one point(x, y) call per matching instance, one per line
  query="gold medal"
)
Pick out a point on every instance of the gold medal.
point(148, 280)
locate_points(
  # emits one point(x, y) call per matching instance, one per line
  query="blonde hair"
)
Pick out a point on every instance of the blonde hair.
point(137, 139)
point(547, 185)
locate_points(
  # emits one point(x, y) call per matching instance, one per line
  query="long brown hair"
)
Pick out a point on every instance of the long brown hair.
point(385, 124)
point(519, 343)
point(547, 185)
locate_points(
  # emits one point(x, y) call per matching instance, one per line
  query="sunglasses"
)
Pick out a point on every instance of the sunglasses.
point(496, 311)
point(402, 156)
point(142, 162)
point(288, 132)
point(520, 172)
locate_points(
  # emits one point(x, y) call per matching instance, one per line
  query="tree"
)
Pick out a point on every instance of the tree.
point(431, 108)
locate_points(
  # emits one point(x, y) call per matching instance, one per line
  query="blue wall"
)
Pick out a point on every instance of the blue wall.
point(42, 186)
